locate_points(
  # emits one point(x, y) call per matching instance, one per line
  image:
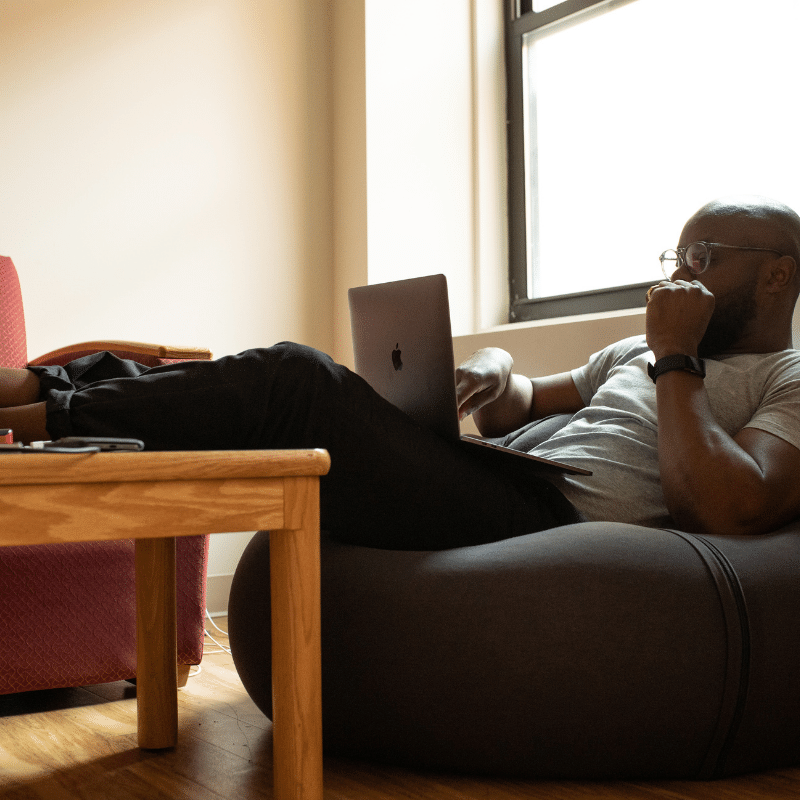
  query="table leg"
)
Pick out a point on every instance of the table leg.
point(156, 643)
point(296, 657)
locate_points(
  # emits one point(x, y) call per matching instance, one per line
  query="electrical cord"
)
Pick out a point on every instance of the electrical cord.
point(222, 648)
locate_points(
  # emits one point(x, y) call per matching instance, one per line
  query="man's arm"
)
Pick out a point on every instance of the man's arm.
point(715, 483)
point(502, 401)
point(712, 482)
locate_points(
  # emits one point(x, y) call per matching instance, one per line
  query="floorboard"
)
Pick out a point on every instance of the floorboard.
point(80, 744)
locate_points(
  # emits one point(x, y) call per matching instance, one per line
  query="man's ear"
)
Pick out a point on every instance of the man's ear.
point(782, 273)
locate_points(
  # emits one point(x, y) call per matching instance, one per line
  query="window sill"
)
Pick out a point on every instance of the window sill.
point(568, 320)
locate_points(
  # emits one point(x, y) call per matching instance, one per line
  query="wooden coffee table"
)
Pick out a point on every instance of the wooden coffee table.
point(48, 498)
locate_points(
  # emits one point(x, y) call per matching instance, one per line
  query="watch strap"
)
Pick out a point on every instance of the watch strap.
point(680, 362)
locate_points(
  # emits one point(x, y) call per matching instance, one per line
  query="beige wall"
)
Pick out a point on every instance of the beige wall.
point(166, 176)
point(166, 170)
point(349, 122)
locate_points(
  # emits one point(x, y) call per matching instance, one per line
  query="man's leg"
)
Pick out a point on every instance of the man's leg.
point(18, 387)
point(19, 409)
point(392, 484)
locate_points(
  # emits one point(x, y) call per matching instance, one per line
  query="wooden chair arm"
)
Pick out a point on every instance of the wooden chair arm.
point(136, 348)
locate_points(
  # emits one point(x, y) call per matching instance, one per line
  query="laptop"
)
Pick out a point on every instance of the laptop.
point(403, 348)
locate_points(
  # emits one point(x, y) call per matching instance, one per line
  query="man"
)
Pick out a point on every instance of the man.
point(715, 457)
point(717, 454)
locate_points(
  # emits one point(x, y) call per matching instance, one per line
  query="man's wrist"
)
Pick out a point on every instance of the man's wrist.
point(677, 361)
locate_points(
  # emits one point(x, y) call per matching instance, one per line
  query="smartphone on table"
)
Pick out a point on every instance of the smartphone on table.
point(103, 443)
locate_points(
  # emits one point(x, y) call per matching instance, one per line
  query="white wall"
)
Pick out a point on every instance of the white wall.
point(419, 145)
point(436, 188)
point(419, 142)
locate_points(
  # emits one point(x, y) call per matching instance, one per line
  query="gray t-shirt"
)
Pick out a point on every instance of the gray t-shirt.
point(615, 436)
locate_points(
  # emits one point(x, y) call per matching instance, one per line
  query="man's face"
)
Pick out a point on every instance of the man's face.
point(732, 277)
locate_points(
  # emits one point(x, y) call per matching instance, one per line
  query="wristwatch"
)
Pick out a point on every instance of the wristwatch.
point(686, 363)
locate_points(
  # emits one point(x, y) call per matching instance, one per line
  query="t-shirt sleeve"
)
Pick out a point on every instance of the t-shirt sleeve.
point(779, 411)
point(592, 375)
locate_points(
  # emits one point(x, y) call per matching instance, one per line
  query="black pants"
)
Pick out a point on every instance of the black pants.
point(392, 484)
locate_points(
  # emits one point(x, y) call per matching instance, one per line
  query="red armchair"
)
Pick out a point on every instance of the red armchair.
point(67, 612)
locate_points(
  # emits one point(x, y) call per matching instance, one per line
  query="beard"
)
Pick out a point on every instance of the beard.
point(729, 321)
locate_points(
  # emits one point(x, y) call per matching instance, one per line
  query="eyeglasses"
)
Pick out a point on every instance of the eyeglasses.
point(697, 256)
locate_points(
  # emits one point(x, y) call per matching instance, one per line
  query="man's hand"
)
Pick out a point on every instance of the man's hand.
point(678, 314)
point(485, 387)
point(481, 379)
point(502, 401)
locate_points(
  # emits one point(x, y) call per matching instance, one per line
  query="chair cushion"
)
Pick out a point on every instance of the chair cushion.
point(68, 612)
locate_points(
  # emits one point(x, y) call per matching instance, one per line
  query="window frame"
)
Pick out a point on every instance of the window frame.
point(521, 20)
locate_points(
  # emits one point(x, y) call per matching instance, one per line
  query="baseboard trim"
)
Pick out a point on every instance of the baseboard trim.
point(218, 590)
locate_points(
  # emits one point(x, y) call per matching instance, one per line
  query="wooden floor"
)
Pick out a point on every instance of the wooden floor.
point(81, 743)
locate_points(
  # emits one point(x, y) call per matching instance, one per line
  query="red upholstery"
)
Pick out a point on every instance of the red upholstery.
point(13, 344)
point(67, 612)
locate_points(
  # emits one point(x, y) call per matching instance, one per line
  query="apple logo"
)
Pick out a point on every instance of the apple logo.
point(396, 360)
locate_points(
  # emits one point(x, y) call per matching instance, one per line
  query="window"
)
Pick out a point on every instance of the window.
point(625, 116)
